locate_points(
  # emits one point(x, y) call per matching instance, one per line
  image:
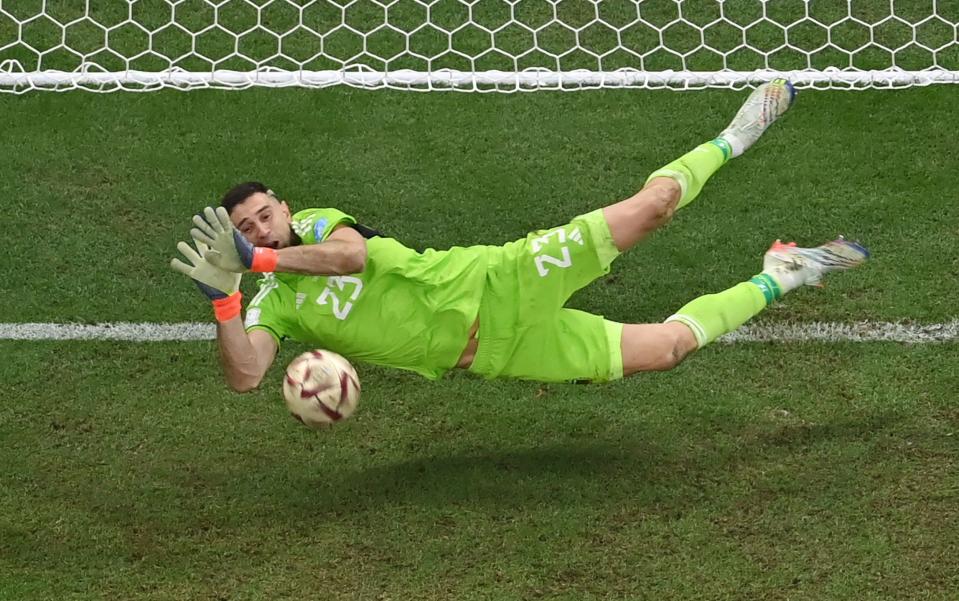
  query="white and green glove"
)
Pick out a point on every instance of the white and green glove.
point(220, 286)
point(229, 250)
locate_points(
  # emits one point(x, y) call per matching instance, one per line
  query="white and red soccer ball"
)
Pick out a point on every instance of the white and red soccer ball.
point(321, 388)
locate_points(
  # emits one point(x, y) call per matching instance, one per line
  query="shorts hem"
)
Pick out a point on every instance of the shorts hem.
point(614, 338)
point(603, 244)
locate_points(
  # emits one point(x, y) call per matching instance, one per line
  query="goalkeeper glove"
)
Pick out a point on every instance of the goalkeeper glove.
point(229, 250)
point(221, 287)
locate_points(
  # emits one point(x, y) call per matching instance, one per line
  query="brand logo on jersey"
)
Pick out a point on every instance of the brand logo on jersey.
point(302, 227)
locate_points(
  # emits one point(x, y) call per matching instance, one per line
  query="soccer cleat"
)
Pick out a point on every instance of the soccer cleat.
point(808, 265)
point(767, 103)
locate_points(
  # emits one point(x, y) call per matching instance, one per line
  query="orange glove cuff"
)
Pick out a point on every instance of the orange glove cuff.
point(264, 260)
point(227, 308)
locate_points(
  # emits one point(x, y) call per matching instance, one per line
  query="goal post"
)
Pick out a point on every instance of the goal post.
point(475, 45)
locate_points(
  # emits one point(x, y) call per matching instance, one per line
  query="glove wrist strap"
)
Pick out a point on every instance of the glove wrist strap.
point(264, 260)
point(228, 308)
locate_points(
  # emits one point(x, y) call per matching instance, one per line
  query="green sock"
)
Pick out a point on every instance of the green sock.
point(693, 168)
point(713, 315)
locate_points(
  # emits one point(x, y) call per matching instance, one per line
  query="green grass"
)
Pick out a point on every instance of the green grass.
point(131, 474)
point(754, 471)
point(109, 182)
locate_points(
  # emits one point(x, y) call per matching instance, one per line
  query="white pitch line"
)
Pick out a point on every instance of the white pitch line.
point(862, 331)
point(133, 332)
point(865, 331)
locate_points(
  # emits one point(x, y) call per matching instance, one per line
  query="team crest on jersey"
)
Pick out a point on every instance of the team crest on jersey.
point(319, 227)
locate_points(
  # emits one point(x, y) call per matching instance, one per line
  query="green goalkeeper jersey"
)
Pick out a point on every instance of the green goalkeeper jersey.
point(407, 309)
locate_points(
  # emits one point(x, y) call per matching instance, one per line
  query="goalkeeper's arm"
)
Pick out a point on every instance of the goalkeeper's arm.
point(343, 252)
point(245, 357)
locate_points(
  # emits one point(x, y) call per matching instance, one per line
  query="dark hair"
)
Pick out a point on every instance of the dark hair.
point(240, 192)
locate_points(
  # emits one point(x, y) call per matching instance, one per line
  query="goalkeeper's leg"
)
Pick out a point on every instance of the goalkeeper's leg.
point(678, 183)
point(648, 347)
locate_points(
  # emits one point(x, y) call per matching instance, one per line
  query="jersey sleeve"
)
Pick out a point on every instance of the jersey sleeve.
point(314, 225)
point(271, 308)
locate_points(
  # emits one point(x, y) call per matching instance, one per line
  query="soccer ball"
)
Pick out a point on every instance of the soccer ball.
point(320, 388)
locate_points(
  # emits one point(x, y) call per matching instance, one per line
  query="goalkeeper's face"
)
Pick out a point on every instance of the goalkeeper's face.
point(263, 220)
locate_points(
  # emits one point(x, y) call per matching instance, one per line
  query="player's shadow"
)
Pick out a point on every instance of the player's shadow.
point(555, 475)
point(539, 475)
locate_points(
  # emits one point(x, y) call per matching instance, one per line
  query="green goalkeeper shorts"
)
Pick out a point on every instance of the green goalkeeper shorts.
point(524, 330)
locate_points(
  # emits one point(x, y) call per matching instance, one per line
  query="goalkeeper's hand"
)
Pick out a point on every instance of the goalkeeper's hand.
point(221, 287)
point(228, 249)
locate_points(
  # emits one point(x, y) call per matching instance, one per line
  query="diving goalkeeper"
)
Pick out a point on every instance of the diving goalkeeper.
point(497, 311)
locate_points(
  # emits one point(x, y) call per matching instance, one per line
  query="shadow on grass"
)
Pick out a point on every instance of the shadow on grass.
point(679, 467)
point(628, 469)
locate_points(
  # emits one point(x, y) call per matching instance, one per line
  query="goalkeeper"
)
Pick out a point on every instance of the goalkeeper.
point(497, 311)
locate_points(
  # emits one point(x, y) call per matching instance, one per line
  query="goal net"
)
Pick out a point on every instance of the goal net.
point(475, 45)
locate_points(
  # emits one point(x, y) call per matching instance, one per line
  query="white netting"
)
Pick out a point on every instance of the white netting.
point(474, 45)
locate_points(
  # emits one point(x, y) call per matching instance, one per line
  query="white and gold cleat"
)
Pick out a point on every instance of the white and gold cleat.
point(767, 103)
point(808, 265)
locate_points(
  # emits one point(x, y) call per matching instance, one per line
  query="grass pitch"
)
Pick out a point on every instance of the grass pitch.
point(801, 471)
